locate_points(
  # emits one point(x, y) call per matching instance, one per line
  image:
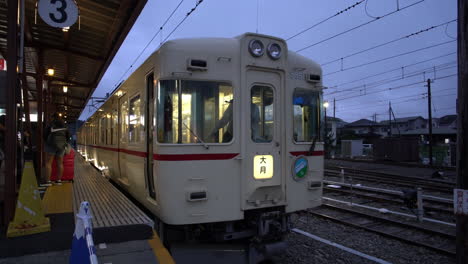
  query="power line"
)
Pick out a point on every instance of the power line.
point(326, 19)
point(186, 16)
point(149, 42)
point(394, 101)
point(391, 57)
point(395, 69)
point(394, 88)
point(361, 25)
point(389, 42)
point(439, 67)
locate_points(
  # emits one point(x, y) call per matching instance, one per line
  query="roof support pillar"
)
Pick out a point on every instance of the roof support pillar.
point(40, 103)
point(11, 112)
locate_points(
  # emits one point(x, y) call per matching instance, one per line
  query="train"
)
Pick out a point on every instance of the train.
point(219, 138)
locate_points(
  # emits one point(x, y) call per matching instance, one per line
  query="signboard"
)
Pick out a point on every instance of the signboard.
point(300, 167)
point(2, 65)
point(263, 167)
point(58, 13)
point(460, 201)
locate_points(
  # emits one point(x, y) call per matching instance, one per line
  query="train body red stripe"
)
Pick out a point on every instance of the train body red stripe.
point(186, 157)
point(172, 157)
point(182, 157)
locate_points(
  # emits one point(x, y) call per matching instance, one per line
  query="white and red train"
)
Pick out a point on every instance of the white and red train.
point(220, 138)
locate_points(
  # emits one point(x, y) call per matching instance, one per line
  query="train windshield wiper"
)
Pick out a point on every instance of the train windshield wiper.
point(196, 136)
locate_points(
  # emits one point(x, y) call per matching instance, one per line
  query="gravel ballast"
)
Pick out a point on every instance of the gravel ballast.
point(305, 250)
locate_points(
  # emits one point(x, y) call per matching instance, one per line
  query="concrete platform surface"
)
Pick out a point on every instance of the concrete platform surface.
point(138, 251)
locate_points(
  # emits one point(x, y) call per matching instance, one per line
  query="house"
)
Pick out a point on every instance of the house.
point(364, 127)
point(400, 125)
point(449, 121)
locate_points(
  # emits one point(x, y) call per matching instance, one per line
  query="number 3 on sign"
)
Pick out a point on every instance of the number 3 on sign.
point(58, 13)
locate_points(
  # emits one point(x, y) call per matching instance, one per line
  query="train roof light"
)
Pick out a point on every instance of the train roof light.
point(256, 48)
point(274, 51)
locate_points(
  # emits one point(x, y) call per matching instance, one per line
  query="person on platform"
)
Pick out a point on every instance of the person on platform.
point(56, 137)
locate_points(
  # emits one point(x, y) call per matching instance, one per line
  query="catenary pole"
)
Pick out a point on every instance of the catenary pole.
point(429, 114)
point(462, 125)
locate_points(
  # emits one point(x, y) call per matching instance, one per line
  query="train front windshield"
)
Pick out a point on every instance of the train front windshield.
point(194, 112)
point(306, 115)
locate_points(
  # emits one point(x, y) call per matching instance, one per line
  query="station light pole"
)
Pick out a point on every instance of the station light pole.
point(325, 106)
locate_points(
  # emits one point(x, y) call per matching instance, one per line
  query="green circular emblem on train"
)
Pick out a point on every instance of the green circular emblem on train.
point(300, 167)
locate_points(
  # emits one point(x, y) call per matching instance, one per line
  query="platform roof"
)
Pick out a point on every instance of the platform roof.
point(81, 56)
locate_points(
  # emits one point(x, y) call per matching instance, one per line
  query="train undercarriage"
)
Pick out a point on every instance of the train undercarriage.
point(261, 233)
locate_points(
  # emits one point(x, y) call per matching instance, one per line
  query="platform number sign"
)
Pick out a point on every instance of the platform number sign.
point(58, 13)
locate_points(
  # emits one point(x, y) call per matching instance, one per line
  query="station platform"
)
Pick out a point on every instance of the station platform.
point(122, 233)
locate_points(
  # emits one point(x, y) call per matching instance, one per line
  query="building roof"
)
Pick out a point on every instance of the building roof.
point(447, 120)
point(336, 119)
point(79, 56)
point(402, 120)
point(435, 131)
point(362, 123)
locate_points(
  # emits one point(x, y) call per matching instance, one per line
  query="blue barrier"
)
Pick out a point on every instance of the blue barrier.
point(83, 250)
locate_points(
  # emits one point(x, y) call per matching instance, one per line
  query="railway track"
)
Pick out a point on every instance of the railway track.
point(393, 179)
point(435, 240)
point(392, 198)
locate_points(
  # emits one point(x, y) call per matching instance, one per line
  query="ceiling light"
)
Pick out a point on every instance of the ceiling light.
point(50, 72)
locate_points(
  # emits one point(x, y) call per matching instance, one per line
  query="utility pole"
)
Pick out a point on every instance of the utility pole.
point(462, 127)
point(334, 109)
point(389, 119)
point(429, 110)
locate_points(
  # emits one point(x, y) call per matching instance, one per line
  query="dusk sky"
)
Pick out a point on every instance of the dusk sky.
point(356, 95)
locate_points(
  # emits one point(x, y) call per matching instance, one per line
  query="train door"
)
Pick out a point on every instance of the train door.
point(149, 162)
point(122, 136)
point(263, 183)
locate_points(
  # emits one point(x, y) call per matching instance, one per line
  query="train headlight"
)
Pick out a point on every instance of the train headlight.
point(274, 51)
point(256, 48)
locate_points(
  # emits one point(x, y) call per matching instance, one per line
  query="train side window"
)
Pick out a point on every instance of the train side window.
point(102, 129)
point(134, 120)
point(306, 119)
point(203, 114)
point(261, 114)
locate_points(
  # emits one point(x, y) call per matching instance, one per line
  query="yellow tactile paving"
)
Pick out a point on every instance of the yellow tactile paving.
point(160, 251)
point(58, 199)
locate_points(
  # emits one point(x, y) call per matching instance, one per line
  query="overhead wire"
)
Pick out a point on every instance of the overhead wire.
point(446, 33)
point(359, 26)
point(374, 84)
point(149, 42)
point(394, 88)
point(394, 101)
point(326, 19)
point(391, 57)
point(388, 42)
point(388, 71)
point(367, 12)
point(183, 20)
